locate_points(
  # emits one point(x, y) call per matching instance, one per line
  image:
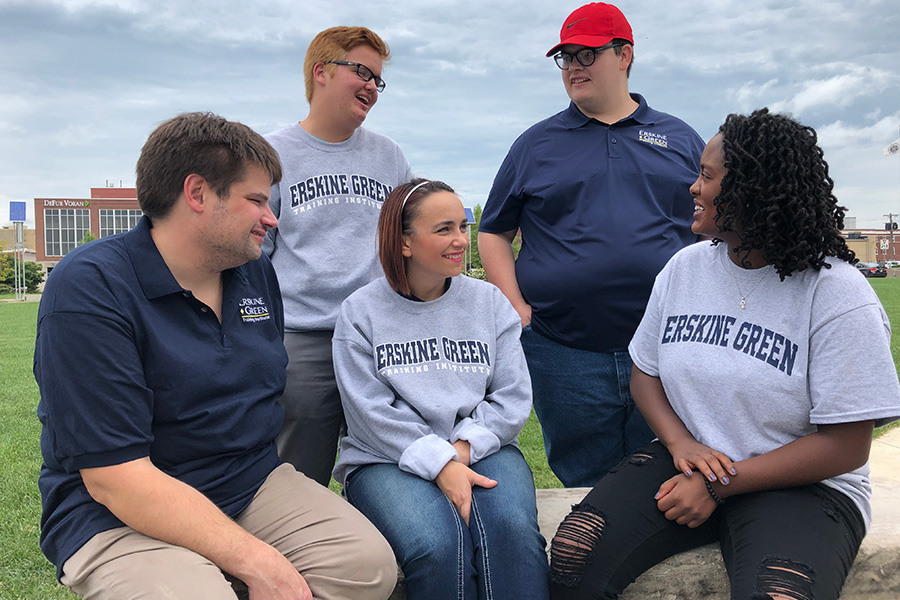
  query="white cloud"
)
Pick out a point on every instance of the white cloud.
point(751, 95)
point(12, 110)
point(79, 136)
point(841, 134)
point(839, 90)
point(86, 80)
point(73, 6)
point(865, 180)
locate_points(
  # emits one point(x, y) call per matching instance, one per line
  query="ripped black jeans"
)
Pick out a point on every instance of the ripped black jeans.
point(796, 543)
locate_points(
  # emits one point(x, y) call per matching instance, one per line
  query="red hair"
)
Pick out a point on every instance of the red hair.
point(398, 212)
point(334, 44)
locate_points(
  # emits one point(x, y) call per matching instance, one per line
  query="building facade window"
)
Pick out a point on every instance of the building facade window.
point(64, 229)
point(119, 220)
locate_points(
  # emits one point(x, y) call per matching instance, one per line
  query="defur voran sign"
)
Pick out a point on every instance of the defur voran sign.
point(66, 203)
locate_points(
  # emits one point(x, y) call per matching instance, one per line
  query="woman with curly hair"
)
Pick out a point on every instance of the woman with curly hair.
point(762, 364)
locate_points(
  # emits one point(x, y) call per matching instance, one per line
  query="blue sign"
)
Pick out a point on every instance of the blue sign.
point(470, 216)
point(17, 211)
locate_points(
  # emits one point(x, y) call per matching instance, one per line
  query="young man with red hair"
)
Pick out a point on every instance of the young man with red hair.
point(336, 176)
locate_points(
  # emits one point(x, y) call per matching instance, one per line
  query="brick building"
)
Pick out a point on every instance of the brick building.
point(874, 245)
point(8, 238)
point(62, 223)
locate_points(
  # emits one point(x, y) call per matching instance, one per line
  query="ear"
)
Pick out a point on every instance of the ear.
point(319, 72)
point(625, 57)
point(197, 193)
point(406, 248)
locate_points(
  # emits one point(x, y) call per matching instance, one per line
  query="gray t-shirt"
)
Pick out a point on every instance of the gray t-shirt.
point(813, 349)
point(327, 206)
point(417, 376)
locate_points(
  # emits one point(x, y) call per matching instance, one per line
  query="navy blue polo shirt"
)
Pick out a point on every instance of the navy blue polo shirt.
point(131, 365)
point(601, 209)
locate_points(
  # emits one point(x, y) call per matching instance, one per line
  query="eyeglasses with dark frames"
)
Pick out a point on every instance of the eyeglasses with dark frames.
point(585, 56)
point(364, 72)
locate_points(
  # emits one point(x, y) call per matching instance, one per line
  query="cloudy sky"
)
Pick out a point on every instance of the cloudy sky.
point(83, 82)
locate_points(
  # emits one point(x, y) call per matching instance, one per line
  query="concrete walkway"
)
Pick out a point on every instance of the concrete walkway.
point(28, 298)
point(885, 456)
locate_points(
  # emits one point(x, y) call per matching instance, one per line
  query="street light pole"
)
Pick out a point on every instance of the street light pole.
point(891, 150)
point(890, 227)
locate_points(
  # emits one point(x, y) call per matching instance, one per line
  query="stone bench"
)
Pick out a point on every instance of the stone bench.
point(700, 573)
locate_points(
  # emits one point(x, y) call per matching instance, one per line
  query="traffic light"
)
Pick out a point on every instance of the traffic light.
point(889, 226)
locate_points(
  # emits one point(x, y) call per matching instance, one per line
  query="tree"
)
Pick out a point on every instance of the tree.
point(34, 277)
point(477, 269)
point(473, 243)
point(6, 273)
point(88, 237)
point(34, 274)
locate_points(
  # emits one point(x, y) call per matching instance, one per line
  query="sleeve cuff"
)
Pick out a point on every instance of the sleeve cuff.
point(118, 456)
point(482, 442)
point(427, 456)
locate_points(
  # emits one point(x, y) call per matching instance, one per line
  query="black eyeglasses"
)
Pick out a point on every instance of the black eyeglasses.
point(585, 56)
point(364, 72)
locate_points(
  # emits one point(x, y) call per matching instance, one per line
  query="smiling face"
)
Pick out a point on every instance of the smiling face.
point(707, 187)
point(436, 247)
point(346, 92)
point(238, 223)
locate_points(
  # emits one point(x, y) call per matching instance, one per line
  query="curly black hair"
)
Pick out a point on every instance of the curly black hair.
point(777, 194)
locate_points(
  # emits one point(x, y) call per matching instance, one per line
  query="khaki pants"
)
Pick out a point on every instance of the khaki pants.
point(334, 547)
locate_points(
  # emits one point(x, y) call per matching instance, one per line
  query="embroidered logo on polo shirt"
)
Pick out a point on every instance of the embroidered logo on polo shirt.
point(657, 139)
point(253, 310)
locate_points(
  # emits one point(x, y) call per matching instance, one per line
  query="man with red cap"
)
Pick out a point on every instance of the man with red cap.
point(600, 194)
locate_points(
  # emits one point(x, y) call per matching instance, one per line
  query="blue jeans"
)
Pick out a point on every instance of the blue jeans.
point(499, 555)
point(583, 401)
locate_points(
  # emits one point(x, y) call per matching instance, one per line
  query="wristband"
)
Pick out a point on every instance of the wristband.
point(712, 492)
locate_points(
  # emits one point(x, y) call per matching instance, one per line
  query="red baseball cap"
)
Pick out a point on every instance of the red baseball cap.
point(594, 25)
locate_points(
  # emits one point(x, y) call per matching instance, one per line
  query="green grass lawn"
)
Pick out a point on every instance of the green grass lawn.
point(888, 291)
point(24, 572)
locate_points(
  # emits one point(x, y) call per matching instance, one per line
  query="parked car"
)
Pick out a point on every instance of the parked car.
point(890, 264)
point(870, 269)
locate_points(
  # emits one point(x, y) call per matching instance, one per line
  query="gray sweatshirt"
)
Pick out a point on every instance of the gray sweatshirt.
point(327, 206)
point(415, 376)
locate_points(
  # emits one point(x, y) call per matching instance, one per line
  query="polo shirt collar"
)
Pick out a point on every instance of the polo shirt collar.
point(152, 272)
point(574, 118)
point(153, 275)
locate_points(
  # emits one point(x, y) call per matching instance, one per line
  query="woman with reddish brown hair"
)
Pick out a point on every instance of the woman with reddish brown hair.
point(435, 390)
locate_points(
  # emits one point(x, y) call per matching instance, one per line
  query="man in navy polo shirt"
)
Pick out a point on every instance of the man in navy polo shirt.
point(600, 194)
point(160, 362)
